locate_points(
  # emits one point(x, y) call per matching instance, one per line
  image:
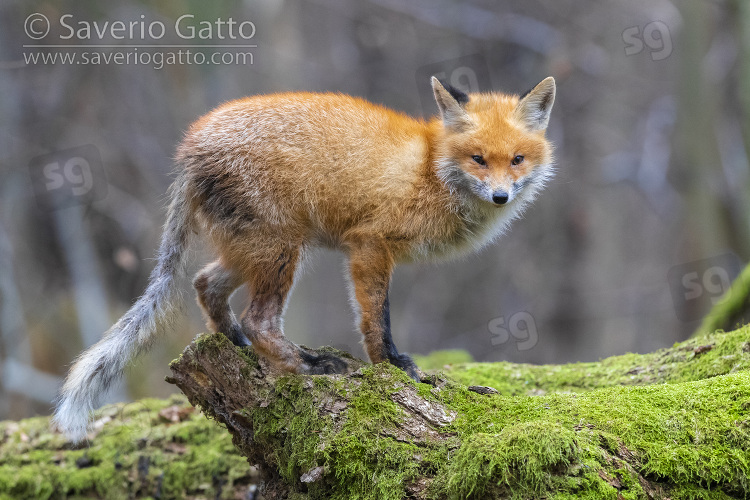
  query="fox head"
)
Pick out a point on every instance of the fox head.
point(494, 146)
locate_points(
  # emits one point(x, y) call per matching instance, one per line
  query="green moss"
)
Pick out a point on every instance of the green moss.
point(518, 457)
point(691, 437)
point(363, 462)
point(136, 453)
point(728, 352)
point(437, 360)
point(296, 416)
point(678, 419)
point(694, 434)
point(589, 441)
point(368, 462)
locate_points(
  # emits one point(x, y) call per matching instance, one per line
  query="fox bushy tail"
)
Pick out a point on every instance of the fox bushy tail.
point(96, 369)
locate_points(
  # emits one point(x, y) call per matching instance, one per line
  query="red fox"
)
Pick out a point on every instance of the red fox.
point(269, 177)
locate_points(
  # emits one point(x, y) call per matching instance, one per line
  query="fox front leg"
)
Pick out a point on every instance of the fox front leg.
point(371, 265)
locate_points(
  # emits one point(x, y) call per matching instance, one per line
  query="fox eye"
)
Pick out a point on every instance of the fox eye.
point(479, 159)
point(517, 160)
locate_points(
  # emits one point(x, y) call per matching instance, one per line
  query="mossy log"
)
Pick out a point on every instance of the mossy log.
point(672, 424)
point(150, 448)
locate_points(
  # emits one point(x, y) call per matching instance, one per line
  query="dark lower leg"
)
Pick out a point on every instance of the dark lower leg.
point(402, 361)
point(215, 285)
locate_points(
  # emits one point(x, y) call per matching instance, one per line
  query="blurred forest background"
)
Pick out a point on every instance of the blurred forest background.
point(645, 223)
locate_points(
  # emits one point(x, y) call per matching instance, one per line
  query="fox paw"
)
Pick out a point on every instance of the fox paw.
point(323, 364)
point(405, 362)
point(238, 338)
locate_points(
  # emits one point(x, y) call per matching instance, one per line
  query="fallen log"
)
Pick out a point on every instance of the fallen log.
point(374, 433)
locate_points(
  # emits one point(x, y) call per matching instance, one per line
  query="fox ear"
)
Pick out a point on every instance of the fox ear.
point(450, 101)
point(535, 105)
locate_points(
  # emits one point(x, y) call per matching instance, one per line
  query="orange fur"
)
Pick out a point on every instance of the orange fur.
point(273, 175)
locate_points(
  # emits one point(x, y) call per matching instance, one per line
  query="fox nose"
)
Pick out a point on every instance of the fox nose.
point(499, 197)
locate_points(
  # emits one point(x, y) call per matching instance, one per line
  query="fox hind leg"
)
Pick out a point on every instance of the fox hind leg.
point(270, 280)
point(215, 284)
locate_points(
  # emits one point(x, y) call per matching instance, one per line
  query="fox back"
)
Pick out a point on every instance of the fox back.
point(328, 166)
